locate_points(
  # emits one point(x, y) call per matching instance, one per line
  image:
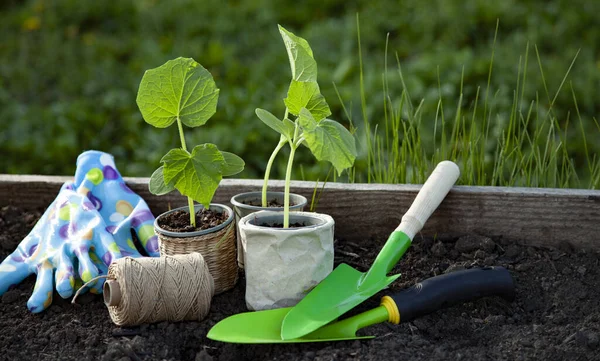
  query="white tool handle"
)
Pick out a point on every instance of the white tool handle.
point(429, 198)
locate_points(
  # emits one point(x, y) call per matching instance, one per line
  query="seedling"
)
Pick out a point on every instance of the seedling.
point(183, 91)
point(327, 139)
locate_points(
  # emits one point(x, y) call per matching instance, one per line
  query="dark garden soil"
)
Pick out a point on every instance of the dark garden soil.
point(272, 203)
point(179, 221)
point(555, 316)
point(280, 225)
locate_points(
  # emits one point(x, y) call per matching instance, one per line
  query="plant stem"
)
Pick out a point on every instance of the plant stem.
point(282, 141)
point(192, 212)
point(288, 175)
point(286, 196)
point(280, 145)
point(184, 147)
point(181, 136)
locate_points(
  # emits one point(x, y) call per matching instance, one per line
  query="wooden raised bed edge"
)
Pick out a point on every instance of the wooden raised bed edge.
point(363, 212)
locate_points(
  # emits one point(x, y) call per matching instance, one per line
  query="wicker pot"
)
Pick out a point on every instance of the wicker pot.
point(242, 209)
point(282, 265)
point(216, 245)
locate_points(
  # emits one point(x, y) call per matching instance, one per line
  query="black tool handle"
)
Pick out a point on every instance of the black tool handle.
point(452, 288)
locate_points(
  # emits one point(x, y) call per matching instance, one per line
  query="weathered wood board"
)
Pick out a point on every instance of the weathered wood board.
point(535, 216)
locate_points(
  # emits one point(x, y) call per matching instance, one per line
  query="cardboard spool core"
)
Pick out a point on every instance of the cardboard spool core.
point(112, 293)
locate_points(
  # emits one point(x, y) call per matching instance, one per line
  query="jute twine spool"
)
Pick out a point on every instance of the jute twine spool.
point(153, 289)
point(217, 248)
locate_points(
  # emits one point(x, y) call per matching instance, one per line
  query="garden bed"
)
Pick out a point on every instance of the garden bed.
point(556, 313)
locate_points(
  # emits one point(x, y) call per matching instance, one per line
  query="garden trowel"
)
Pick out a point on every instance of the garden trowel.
point(345, 287)
point(423, 298)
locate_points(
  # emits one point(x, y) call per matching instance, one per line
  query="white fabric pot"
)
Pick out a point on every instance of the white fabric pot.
point(283, 265)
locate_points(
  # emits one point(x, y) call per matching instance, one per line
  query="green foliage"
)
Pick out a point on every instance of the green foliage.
point(282, 127)
point(196, 174)
point(531, 148)
point(157, 184)
point(326, 139)
point(70, 71)
point(302, 62)
point(233, 164)
point(306, 95)
point(183, 91)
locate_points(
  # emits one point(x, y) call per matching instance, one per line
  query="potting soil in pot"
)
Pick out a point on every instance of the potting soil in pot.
point(180, 221)
point(556, 315)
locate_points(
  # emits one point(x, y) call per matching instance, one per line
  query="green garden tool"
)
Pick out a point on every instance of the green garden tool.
point(421, 299)
point(346, 287)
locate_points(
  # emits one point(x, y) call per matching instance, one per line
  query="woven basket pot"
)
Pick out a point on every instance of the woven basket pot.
point(242, 206)
point(217, 245)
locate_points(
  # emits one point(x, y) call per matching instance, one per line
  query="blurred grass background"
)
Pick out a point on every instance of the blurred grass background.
point(69, 72)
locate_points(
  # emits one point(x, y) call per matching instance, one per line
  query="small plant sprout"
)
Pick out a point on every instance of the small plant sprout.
point(327, 139)
point(182, 91)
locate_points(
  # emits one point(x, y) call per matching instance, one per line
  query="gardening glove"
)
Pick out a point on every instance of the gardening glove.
point(121, 209)
point(85, 228)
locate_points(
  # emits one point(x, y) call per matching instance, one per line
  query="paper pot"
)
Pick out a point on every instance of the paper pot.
point(283, 265)
point(216, 245)
point(242, 206)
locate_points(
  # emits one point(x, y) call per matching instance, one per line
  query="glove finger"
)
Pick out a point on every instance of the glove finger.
point(99, 263)
point(12, 273)
point(102, 254)
point(105, 247)
point(125, 245)
point(122, 238)
point(65, 276)
point(142, 221)
point(87, 268)
point(96, 288)
point(41, 297)
point(79, 284)
point(14, 268)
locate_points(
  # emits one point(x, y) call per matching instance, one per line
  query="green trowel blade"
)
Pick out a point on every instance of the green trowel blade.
point(265, 327)
point(338, 293)
point(343, 289)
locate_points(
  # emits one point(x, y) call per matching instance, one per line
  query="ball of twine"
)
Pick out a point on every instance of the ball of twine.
point(153, 289)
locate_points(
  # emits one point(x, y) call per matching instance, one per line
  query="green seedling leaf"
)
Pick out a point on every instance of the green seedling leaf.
point(157, 185)
point(233, 164)
point(274, 123)
point(180, 88)
point(290, 125)
point(328, 140)
point(302, 62)
point(196, 175)
point(307, 95)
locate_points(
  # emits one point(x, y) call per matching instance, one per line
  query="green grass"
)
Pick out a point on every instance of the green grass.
point(531, 147)
point(70, 71)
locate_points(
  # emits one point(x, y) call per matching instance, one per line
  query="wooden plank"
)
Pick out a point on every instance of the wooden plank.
point(369, 212)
